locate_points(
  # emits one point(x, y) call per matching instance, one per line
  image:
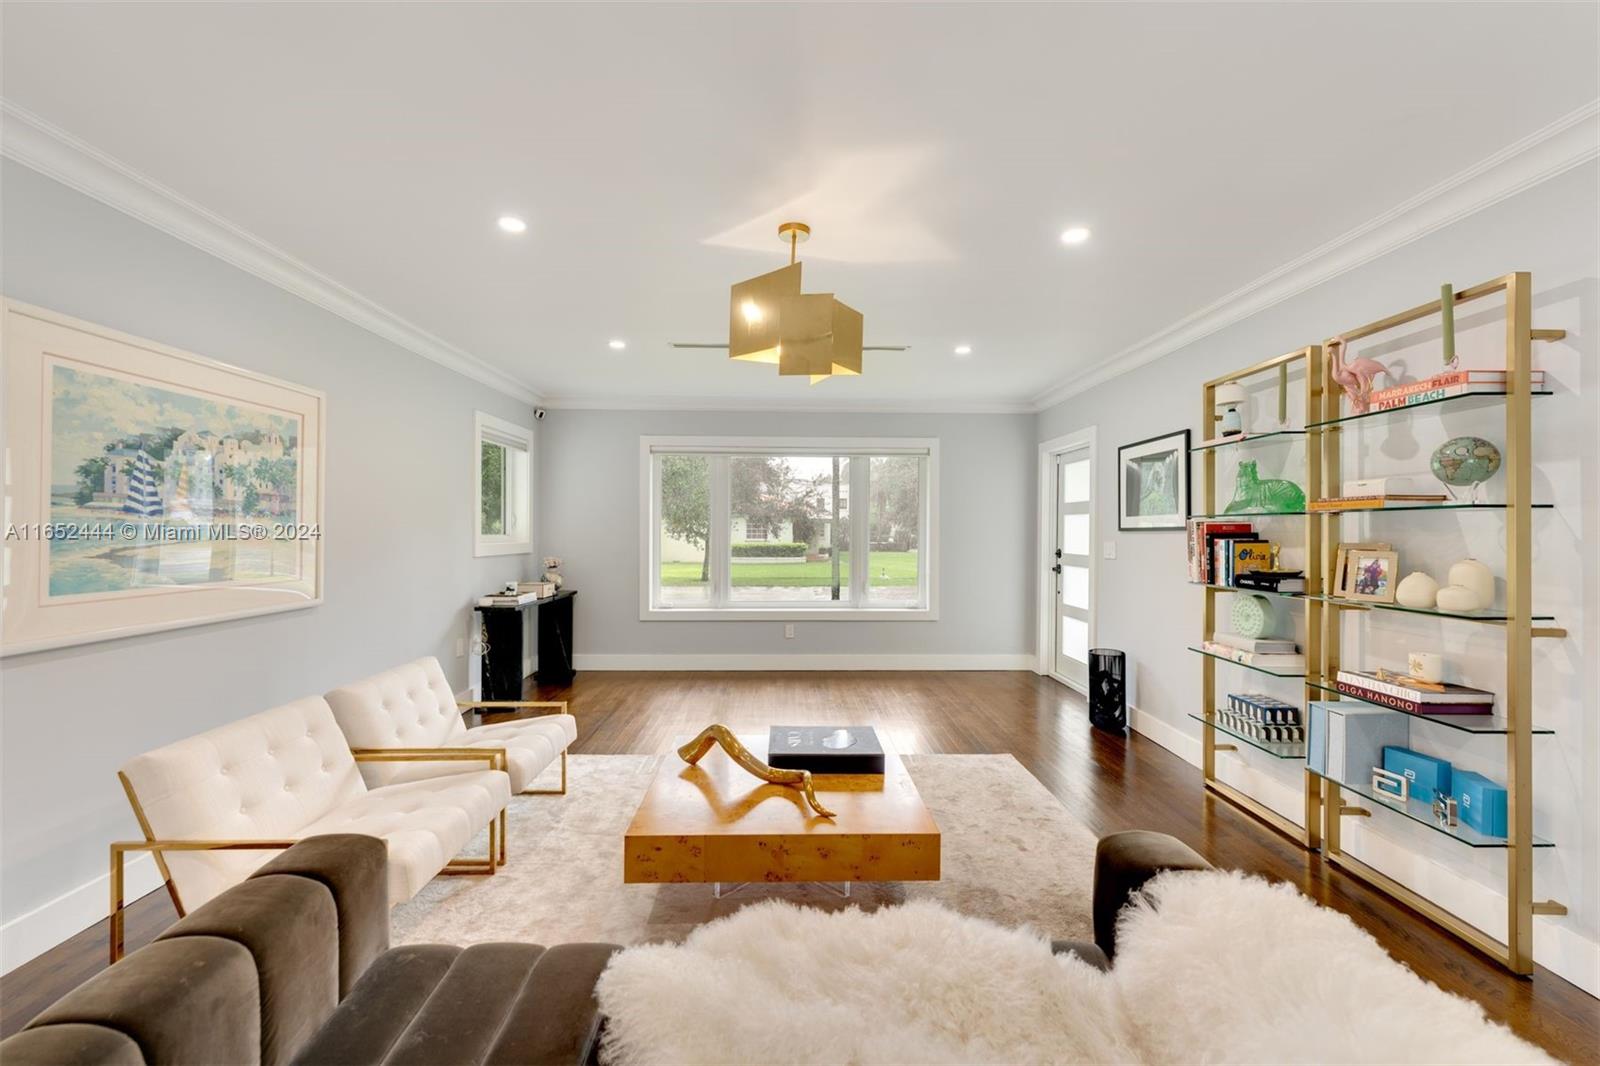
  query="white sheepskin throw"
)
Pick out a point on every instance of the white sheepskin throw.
point(1211, 967)
point(1220, 967)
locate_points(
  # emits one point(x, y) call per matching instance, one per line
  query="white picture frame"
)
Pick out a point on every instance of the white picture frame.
point(147, 488)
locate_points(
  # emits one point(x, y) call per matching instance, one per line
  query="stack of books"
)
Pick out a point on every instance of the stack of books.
point(1219, 550)
point(1404, 694)
point(527, 592)
point(1263, 717)
point(1443, 386)
point(1271, 580)
point(1272, 662)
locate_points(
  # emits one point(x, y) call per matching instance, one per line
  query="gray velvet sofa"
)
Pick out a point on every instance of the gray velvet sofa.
point(1123, 862)
point(293, 965)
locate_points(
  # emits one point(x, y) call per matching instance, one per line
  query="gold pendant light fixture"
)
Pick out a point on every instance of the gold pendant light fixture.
point(771, 321)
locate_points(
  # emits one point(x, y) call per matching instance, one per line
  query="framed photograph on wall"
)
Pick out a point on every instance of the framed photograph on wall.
point(148, 488)
point(1153, 483)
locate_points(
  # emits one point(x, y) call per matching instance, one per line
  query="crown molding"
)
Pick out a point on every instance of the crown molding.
point(1569, 141)
point(802, 405)
point(57, 154)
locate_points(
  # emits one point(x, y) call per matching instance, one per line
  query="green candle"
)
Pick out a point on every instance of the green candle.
point(1447, 322)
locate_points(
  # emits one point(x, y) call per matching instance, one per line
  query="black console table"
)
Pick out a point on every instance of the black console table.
point(503, 633)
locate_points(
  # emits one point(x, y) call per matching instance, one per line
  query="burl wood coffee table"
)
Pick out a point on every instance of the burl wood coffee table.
point(714, 823)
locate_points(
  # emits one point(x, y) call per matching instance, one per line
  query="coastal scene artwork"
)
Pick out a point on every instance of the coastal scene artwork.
point(149, 488)
point(1153, 486)
point(151, 485)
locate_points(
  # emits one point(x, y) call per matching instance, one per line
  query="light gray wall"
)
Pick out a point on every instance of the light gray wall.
point(589, 515)
point(399, 565)
point(1145, 608)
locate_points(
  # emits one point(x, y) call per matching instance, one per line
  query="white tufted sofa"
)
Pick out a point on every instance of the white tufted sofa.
point(289, 773)
point(413, 706)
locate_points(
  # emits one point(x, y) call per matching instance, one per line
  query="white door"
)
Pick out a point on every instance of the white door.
point(1074, 513)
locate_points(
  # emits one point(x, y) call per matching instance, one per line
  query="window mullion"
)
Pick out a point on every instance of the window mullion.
point(860, 509)
point(718, 536)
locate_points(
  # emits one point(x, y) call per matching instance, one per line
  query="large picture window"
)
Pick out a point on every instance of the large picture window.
point(751, 528)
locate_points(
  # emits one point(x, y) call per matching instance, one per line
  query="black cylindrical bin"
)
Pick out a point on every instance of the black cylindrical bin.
point(1108, 690)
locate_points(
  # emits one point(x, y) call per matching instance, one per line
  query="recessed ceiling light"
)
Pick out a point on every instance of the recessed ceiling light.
point(511, 224)
point(618, 345)
point(1075, 235)
point(963, 349)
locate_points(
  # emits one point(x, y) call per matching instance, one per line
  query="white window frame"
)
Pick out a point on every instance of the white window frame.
point(720, 448)
point(487, 429)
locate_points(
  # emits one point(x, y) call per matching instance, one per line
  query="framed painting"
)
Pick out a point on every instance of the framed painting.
point(1153, 483)
point(148, 489)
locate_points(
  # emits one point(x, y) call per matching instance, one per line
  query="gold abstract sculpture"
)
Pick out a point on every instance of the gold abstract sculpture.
point(696, 749)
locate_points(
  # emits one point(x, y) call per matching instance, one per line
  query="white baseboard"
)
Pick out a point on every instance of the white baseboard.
point(803, 662)
point(1557, 945)
point(1170, 737)
point(30, 935)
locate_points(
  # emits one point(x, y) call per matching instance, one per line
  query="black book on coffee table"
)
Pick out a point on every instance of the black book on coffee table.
point(825, 749)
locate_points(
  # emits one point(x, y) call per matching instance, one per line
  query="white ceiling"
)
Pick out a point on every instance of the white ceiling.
point(937, 152)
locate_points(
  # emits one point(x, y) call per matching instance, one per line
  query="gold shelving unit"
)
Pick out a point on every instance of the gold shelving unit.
point(1516, 621)
point(1214, 736)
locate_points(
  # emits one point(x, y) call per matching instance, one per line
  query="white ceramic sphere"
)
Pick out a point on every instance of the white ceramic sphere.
point(1416, 590)
point(1458, 598)
point(1471, 574)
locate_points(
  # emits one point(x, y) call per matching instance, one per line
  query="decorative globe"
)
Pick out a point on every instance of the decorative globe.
point(1463, 462)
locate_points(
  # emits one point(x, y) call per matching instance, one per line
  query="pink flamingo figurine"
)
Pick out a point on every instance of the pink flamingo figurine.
point(1354, 376)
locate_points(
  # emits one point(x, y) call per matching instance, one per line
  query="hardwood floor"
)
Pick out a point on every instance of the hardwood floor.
point(1109, 782)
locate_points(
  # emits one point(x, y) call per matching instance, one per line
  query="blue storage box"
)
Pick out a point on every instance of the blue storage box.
point(1427, 776)
point(1480, 803)
point(1346, 739)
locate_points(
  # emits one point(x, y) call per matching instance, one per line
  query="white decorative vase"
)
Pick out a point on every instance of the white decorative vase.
point(1417, 590)
point(1473, 575)
point(1458, 598)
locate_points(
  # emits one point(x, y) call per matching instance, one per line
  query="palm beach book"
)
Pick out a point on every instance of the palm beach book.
point(1441, 386)
point(825, 749)
point(1389, 692)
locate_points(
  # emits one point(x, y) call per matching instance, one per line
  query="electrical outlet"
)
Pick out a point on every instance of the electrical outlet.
point(788, 631)
point(1109, 549)
point(461, 647)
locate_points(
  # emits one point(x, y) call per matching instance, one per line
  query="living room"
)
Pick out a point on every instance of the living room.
point(560, 532)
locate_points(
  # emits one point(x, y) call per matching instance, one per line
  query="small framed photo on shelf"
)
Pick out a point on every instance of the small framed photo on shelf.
point(1339, 581)
point(1153, 483)
point(1371, 575)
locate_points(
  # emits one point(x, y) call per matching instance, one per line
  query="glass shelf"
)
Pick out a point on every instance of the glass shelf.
point(1243, 666)
point(1462, 402)
point(1488, 614)
point(1465, 723)
point(1258, 592)
point(1449, 505)
point(1422, 814)
point(1247, 438)
point(1277, 749)
point(1251, 514)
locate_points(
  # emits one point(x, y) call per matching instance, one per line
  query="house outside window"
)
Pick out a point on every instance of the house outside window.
point(763, 528)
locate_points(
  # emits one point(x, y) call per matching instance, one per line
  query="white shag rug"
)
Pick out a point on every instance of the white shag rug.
point(1011, 853)
point(1211, 968)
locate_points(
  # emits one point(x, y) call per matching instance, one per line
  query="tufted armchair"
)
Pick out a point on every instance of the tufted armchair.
point(213, 807)
point(413, 706)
